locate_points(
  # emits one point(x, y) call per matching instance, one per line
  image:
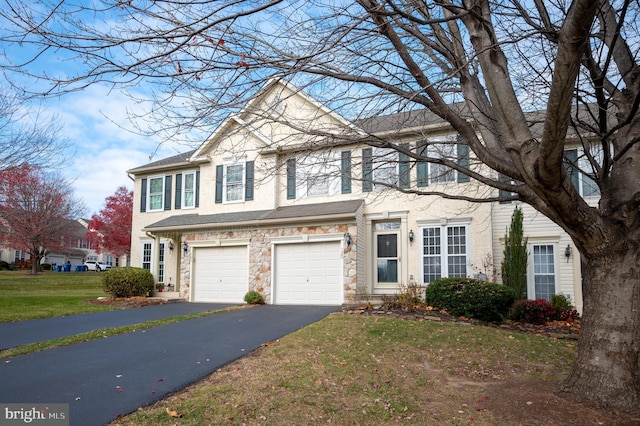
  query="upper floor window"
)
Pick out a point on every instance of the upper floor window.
point(579, 169)
point(155, 197)
point(319, 174)
point(188, 189)
point(450, 148)
point(438, 173)
point(234, 182)
point(383, 168)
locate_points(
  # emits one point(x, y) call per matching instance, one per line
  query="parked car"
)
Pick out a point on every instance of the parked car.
point(93, 265)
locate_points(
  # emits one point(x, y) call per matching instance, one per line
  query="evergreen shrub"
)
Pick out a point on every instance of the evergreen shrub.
point(471, 298)
point(127, 281)
point(253, 298)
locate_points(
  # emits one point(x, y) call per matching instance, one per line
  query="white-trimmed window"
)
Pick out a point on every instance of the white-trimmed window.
point(188, 189)
point(155, 193)
point(445, 251)
point(318, 174)
point(542, 271)
point(586, 186)
point(147, 253)
point(233, 182)
point(385, 167)
point(438, 173)
point(161, 263)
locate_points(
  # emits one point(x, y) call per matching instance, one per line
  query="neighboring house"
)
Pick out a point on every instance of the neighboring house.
point(76, 250)
point(264, 206)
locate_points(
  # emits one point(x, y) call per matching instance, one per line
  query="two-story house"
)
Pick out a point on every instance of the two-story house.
point(270, 202)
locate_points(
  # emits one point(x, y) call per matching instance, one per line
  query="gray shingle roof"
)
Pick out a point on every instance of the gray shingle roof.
point(404, 120)
point(258, 217)
point(169, 161)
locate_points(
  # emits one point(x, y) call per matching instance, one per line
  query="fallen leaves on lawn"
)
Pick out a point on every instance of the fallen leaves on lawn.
point(173, 413)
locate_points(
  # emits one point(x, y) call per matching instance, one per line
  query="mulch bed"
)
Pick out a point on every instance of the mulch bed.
point(127, 302)
point(555, 329)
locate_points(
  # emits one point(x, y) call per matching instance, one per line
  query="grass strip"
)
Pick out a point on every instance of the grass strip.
point(105, 332)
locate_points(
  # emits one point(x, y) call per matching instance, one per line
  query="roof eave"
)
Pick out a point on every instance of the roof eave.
point(165, 167)
point(260, 222)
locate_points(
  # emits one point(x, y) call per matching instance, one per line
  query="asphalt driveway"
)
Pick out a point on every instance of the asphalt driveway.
point(19, 333)
point(105, 378)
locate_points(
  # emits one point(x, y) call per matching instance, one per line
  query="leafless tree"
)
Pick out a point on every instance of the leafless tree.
point(26, 137)
point(480, 66)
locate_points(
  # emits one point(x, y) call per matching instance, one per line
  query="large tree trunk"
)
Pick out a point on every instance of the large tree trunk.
point(35, 264)
point(606, 372)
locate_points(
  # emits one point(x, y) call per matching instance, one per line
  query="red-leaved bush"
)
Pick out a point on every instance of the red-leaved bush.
point(537, 311)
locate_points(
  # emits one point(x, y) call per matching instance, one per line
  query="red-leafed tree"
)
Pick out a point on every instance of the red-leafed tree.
point(111, 228)
point(36, 208)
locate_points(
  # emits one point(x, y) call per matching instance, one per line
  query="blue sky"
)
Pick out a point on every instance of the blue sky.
point(94, 121)
point(100, 149)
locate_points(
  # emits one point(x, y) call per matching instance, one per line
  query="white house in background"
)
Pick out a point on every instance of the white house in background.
point(262, 205)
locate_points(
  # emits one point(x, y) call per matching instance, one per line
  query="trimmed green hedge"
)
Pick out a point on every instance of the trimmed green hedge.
point(127, 281)
point(471, 298)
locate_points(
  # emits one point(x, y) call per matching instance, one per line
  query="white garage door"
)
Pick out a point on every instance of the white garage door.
point(308, 274)
point(220, 274)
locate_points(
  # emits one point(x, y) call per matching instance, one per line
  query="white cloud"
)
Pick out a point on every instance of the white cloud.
point(100, 149)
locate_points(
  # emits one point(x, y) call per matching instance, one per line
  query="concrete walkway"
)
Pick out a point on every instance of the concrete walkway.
point(105, 378)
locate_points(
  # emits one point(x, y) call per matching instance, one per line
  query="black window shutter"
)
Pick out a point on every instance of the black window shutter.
point(167, 192)
point(572, 158)
point(198, 188)
point(463, 159)
point(248, 184)
point(346, 172)
point(502, 192)
point(422, 167)
point(178, 195)
point(291, 179)
point(404, 168)
point(143, 195)
point(367, 170)
point(219, 179)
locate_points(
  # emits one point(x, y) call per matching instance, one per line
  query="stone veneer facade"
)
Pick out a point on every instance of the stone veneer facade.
point(260, 255)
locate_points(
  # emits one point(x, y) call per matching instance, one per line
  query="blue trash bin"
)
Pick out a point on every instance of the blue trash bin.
point(67, 267)
point(58, 268)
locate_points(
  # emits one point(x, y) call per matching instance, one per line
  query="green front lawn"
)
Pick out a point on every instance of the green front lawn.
point(50, 294)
